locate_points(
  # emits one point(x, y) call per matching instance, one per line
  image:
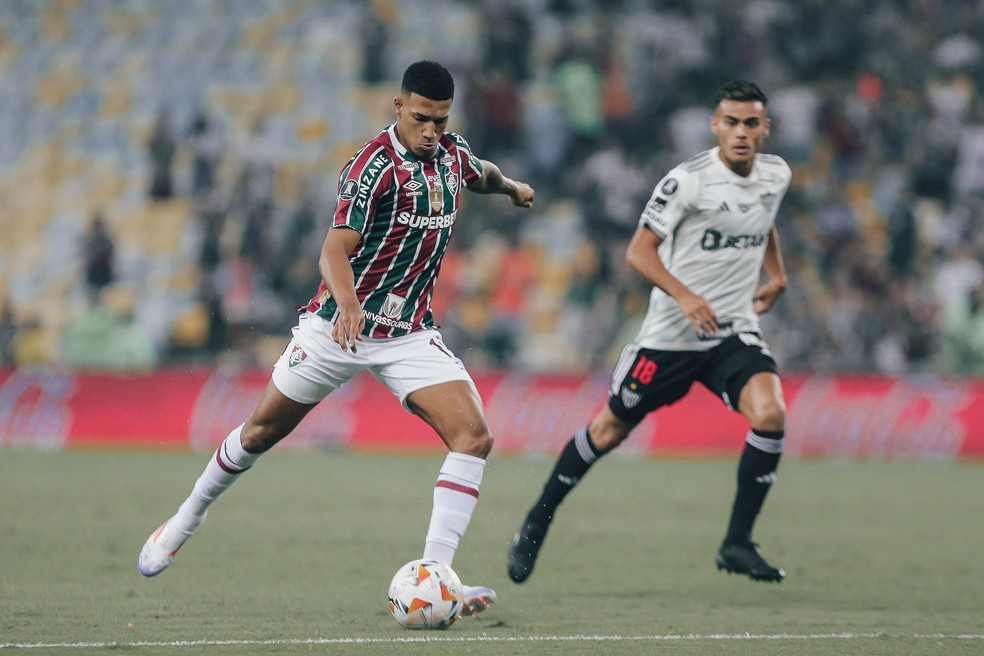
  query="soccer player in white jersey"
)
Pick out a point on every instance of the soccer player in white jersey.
point(398, 199)
point(703, 240)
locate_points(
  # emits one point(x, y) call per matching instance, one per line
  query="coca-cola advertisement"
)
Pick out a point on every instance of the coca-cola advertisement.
point(182, 409)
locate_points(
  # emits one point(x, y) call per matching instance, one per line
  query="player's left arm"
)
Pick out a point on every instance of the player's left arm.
point(492, 181)
point(768, 293)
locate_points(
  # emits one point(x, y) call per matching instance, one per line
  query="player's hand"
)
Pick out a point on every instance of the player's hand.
point(766, 296)
point(699, 313)
point(348, 327)
point(523, 195)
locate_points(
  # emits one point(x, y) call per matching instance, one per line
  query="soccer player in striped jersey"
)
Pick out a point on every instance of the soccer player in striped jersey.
point(703, 240)
point(398, 201)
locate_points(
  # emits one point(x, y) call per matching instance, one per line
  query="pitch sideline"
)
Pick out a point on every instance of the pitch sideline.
point(487, 638)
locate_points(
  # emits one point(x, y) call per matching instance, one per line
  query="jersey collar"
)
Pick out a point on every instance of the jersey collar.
point(397, 146)
point(742, 180)
point(405, 154)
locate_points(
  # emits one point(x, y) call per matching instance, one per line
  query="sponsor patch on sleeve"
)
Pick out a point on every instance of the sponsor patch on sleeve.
point(669, 187)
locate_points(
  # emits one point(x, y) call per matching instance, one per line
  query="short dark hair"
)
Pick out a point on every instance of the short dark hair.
point(741, 91)
point(428, 79)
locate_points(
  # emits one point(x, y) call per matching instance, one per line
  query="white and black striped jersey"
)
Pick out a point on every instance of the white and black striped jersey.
point(715, 225)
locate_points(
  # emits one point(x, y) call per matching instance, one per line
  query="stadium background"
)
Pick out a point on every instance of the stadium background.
point(206, 136)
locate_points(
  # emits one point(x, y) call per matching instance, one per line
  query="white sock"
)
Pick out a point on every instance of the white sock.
point(455, 496)
point(223, 469)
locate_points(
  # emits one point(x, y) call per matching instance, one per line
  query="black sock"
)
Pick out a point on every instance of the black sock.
point(756, 473)
point(575, 459)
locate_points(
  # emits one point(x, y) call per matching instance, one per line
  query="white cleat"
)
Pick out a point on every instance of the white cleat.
point(159, 549)
point(477, 598)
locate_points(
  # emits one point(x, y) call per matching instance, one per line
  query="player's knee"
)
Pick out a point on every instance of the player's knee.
point(605, 435)
point(476, 443)
point(768, 415)
point(259, 438)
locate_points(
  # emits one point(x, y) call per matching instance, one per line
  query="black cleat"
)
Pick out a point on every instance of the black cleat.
point(744, 559)
point(523, 550)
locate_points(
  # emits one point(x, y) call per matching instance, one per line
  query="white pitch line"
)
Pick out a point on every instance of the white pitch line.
point(694, 637)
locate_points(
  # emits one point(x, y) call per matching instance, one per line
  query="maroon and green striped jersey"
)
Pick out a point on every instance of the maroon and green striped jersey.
point(405, 209)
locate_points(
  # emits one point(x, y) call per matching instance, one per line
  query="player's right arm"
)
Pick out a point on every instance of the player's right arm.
point(336, 270)
point(672, 201)
point(643, 256)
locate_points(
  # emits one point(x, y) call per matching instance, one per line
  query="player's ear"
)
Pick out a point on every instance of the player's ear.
point(398, 105)
point(767, 124)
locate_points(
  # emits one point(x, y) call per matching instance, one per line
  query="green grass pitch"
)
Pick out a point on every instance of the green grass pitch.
point(881, 558)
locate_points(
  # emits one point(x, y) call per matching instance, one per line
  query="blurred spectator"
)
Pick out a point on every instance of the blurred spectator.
point(837, 225)
point(507, 31)
point(496, 113)
point(546, 136)
point(254, 199)
point(903, 235)
point(374, 37)
point(794, 121)
point(206, 149)
point(579, 84)
point(613, 189)
point(843, 134)
point(299, 246)
point(964, 334)
point(956, 278)
point(969, 170)
point(8, 333)
point(621, 112)
point(161, 149)
point(98, 257)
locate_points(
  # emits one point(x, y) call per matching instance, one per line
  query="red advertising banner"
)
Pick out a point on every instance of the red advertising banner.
point(828, 416)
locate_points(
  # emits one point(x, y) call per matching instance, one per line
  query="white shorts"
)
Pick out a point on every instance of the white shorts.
point(313, 365)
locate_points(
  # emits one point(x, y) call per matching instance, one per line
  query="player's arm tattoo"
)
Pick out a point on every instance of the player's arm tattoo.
point(492, 181)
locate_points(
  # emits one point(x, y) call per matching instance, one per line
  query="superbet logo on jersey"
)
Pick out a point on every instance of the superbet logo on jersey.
point(432, 222)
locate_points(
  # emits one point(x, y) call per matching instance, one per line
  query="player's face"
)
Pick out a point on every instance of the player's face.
point(741, 127)
point(420, 122)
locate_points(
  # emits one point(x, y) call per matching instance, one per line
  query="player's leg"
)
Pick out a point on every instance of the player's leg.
point(309, 369)
point(761, 402)
point(273, 419)
point(433, 384)
point(604, 433)
point(642, 381)
point(454, 410)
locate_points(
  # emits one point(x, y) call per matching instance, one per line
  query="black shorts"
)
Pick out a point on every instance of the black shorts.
point(646, 379)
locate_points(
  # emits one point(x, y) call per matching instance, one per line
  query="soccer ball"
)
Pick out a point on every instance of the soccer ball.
point(425, 594)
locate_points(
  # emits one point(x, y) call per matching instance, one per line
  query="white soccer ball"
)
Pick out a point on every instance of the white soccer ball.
point(425, 594)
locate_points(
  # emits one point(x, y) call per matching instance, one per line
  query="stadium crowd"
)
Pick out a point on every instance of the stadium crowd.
point(207, 137)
